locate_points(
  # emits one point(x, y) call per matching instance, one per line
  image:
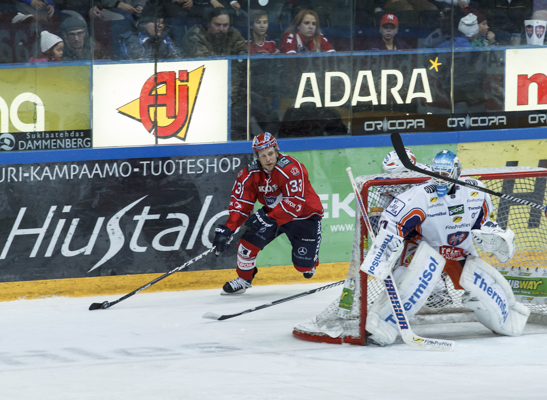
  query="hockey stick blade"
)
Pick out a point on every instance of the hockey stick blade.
point(399, 147)
point(217, 317)
point(98, 306)
point(212, 315)
point(106, 304)
point(408, 336)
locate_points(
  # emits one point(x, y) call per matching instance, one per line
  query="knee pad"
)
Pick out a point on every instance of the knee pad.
point(492, 299)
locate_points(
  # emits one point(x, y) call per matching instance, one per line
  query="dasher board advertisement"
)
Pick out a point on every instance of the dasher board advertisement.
point(526, 81)
point(45, 108)
point(189, 101)
point(113, 217)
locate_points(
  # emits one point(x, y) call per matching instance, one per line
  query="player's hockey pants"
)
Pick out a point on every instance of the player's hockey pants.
point(305, 238)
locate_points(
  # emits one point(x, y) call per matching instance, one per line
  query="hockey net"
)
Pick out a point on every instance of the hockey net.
point(526, 271)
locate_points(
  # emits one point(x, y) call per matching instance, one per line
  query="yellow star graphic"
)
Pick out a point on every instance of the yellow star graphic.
point(435, 64)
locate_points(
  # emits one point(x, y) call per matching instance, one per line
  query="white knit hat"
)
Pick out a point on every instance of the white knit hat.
point(469, 25)
point(48, 40)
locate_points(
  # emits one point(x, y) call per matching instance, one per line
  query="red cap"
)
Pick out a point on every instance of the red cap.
point(389, 19)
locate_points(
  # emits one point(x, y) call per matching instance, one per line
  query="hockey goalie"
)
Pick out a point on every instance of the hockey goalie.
point(441, 218)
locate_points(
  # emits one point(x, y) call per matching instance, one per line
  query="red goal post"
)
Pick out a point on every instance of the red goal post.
point(526, 271)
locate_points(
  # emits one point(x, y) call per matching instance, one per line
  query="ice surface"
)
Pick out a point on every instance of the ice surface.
point(158, 346)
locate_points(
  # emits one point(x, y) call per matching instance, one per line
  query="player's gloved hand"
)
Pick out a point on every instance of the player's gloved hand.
point(259, 220)
point(223, 237)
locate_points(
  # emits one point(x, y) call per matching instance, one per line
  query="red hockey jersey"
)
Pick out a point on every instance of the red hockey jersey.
point(293, 43)
point(268, 47)
point(286, 192)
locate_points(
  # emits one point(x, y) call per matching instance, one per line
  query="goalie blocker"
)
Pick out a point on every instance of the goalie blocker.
point(383, 255)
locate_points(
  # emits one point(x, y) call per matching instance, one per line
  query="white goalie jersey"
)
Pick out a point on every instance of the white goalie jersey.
point(445, 223)
point(388, 193)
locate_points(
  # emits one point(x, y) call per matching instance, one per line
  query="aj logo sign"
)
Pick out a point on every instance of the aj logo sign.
point(168, 98)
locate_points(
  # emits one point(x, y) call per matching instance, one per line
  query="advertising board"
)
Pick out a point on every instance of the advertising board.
point(45, 108)
point(189, 101)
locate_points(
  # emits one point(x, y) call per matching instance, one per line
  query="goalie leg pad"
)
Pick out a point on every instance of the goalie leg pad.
point(492, 299)
point(496, 241)
point(415, 286)
point(383, 255)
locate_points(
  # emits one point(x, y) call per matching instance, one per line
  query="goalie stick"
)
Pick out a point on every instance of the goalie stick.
point(218, 317)
point(400, 149)
point(408, 336)
point(107, 304)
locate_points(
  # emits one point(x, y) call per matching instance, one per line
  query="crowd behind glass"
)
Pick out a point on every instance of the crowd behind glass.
point(55, 31)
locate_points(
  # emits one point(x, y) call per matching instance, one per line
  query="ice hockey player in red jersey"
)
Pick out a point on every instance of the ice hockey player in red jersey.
point(290, 206)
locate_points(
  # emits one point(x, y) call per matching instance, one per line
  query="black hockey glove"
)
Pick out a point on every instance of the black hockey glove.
point(223, 237)
point(259, 220)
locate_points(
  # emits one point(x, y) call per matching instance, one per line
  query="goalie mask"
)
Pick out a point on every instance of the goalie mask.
point(263, 141)
point(447, 164)
point(393, 165)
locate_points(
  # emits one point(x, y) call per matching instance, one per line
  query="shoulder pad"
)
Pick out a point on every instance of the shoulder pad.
point(430, 188)
point(254, 165)
point(472, 182)
point(283, 161)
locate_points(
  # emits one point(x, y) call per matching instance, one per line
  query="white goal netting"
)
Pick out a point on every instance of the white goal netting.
point(526, 271)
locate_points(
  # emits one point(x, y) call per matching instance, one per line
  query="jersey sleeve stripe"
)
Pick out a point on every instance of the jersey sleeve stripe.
point(287, 211)
point(407, 222)
point(243, 200)
point(303, 180)
point(280, 170)
point(239, 212)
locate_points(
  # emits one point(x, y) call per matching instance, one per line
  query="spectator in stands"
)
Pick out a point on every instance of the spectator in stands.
point(51, 47)
point(506, 17)
point(447, 4)
point(129, 9)
point(39, 10)
point(392, 6)
point(468, 28)
point(304, 35)
point(484, 37)
point(215, 39)
point(389, 27)
point(77, 43)
point(152, 41)
point(238, 14)
point(181, 15)
point(259, 28)
point(73, 8)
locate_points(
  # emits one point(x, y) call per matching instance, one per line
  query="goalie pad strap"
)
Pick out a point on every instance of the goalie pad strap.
point(492, 299)
point(415, 286)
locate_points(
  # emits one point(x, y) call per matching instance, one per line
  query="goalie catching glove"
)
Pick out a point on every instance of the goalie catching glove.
point(223, 237)
point(383, 255)
point(492, 239)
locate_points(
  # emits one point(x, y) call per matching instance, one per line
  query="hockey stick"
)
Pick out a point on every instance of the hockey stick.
point(408, 336)
point(106, 304)
point(218, 317)
point(400, 149)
